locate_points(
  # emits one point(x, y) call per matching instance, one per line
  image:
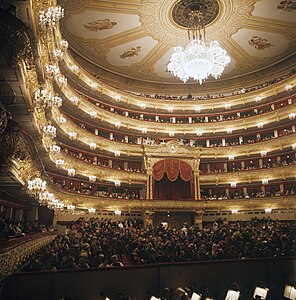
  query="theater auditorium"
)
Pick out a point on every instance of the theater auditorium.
point(147, 149)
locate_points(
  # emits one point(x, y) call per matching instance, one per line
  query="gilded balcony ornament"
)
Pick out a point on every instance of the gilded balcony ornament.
point(11, 260)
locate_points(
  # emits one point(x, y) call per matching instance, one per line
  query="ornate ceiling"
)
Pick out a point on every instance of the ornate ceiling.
point(135, 38)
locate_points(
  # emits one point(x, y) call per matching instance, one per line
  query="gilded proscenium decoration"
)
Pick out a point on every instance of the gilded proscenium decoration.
point(259, 43)
point(100, 25)
point(183, 8)
point(131, 52)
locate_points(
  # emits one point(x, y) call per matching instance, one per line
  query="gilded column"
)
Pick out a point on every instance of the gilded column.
point(151, 187)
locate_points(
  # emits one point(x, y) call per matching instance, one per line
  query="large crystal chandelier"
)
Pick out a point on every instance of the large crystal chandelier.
point(198, 60)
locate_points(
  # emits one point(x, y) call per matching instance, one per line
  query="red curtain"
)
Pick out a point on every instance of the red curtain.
point(172, 168)
point(158, 170)
point(166, 189)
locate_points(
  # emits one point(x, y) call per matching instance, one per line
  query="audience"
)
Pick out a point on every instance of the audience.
point(10, 228)
point(99, 243)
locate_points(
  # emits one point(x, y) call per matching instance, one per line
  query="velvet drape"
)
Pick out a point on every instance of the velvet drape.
point(172, 190)
point(172, 168)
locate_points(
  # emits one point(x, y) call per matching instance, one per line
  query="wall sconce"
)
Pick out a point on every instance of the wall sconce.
point(93, 85)
point(229, 130)
point(74, 100)
point(171, 133)
point(91, 211)
point(72, 135)
point(288, 87)
point(227, 105)
point(258, 99)
point(49, 130)
point(92, 178)
point(231, 157)
point(59, 162)
point(233, 184)
point(170, 109)
point(61, 120)
point(117, 183)
point(117, 212)
point(268, 210)
point(117, 98)
point(263, 153)
point(260, 125)
point(234, 211)
point(143, 105)
point(64, 44)
point(116, 153)
point(74, 68)
point(199, 133)
point(292, 116)
point(264, 181)
point(198, 109)
point(92, 146)
point(71, 207)
point(117, 124)
point(93, 114)
point(71, 172)
point(55, 149)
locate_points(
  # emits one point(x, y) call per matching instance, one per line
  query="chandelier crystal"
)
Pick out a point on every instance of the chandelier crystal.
point(199, 59)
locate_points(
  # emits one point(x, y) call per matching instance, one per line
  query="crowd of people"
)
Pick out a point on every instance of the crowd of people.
point(251, 166)
point(190, 119)
point(10, 228)
point(101, 162)
point(101, 243)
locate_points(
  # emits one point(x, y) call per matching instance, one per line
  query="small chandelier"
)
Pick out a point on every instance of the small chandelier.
point(45, 197)
point(49, 130)
point(117, 183)
point(198, 60)
point(45, 99)
point(71, 172)
point(51, 16)
point(92, 146)
point(59, 162)
point(51, 71)
point(72, 135)
point(54, 148)
point(62, 81)
point(64, 44)
point(58, 54)
point(92, 178)
point(36, 185)
point(91, 211)
point(71, 207)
